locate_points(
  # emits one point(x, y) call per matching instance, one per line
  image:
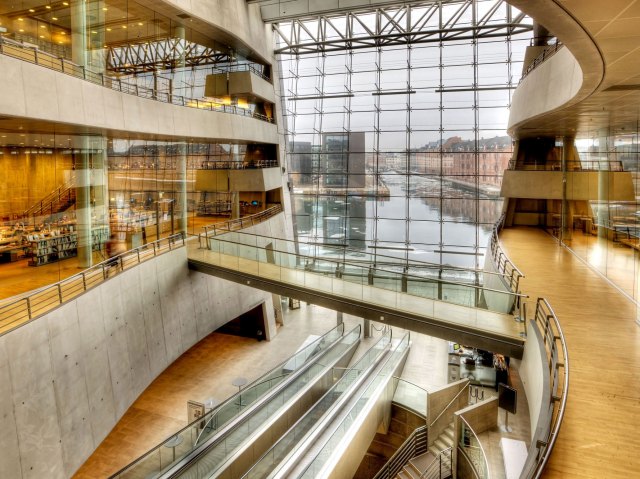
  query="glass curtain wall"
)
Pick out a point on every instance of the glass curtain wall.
point(399, 150)
point(608, 235)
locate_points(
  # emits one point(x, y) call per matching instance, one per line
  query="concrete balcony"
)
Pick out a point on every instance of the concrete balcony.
point(260, 179)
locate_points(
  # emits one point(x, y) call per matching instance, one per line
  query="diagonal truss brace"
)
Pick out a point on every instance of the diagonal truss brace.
point(161, 55)
point(434, 21)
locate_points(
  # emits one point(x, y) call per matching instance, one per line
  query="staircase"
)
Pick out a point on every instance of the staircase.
point(59, 200)
point(434, 464)
point(444, 441)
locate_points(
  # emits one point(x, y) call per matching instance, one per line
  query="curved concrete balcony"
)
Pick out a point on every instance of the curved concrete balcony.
point(94, 103)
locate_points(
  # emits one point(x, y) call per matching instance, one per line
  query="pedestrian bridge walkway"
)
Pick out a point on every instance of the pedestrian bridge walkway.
point(463, 312)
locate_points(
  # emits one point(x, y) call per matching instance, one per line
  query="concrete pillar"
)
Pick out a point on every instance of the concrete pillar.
point(603, 187)
point(235, 195)
point(339, 318)
point(181, 189)
point(367, 328)
point(83, 204)
point(540, 35)
point(566, 219)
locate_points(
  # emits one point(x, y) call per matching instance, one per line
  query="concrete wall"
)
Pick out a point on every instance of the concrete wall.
point(235, 18)
point(581, 185)
point(553, 84)
point(35, 92)
point(69, 376)
point(438, 399)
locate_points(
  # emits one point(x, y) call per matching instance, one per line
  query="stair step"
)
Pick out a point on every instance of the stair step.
point(441, 445)
point(422, 461)
point(448, 432)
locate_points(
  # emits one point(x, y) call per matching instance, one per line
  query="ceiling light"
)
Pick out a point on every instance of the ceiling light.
point(66, 4)
point(43, 26)
point(94, 32)
point(108, 29)
point(20, 19)
point(41, 36)
point(54, 18)
point(32, 10)
point(21, 30)
point(62, 33)
point(140, 23)
point(48, 7)
point(124, 26)
point(105, 8)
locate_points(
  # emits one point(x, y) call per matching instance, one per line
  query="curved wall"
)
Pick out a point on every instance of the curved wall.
point(553, 84)
point(234, 17)
point(38, 93)
point(69, 376)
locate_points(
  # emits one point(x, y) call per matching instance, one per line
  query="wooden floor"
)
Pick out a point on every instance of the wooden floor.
point(600, 435)
point(209, 368)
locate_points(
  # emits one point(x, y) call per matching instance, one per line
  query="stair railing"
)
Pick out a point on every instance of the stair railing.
point(64, 191)
point(416, 441)
point(441, 467)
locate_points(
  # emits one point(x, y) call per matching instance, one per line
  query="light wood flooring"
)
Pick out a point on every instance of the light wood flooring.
point(208, 369)
point(600, 435)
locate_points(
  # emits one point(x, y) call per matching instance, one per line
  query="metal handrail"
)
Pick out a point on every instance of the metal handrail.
point(502, 262)
point(429, 471)
point(555, 342)
point(403, 454)
point(238, 223)
point(409, 264)
point(466, 386)
point(546, 53)
point(411, 277)
point(484, 455)
point(32, 54)
point(50, 199)
point(574, 165)
point(41, 301)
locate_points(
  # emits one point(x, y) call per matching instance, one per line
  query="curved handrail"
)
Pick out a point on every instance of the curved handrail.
point(478, 474)
point(38, 302)
point(501, 260)
point(546, 53)
point(32, 54)
point(555, 342)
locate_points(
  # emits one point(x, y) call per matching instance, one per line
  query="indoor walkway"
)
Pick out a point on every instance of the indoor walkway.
point(600, 433)
point(498, 332)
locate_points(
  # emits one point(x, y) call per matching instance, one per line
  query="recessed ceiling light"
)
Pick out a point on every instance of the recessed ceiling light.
point(21, 19)
point(21, 30)
point(48, 7)
point(41, 36)
point(94, 32)
point(66, 4)
point(124, 26)
point(43, 26)
point(108, 29)
point(140, 23)
point(105, 9)
point(54, 18)
point(32, 10)
point(62, 33)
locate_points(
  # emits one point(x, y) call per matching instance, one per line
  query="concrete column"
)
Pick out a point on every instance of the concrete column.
point(339, 318)
point(235, 195)
point(566, 220)
point(83, 204)
point(181, 189)
point(603, 187)
point(367, 328)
